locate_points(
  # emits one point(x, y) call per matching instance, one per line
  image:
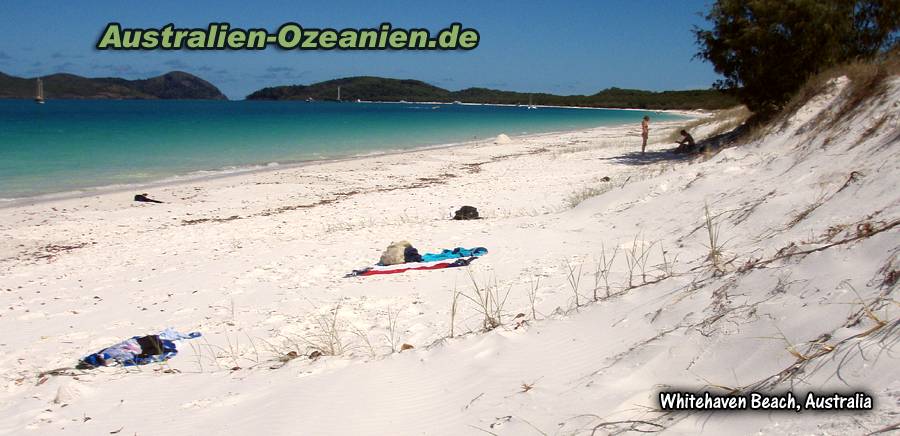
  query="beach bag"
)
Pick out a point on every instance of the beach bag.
point(396, 253)
point(466, 213)
point(410, 254)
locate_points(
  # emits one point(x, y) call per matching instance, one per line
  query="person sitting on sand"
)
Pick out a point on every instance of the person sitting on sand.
point(645, 132)
point(686, 145)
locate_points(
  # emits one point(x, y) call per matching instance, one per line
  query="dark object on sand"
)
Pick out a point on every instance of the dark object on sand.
point(411, 254)
point(605, 179)
point(143, 198)
point(466, 213)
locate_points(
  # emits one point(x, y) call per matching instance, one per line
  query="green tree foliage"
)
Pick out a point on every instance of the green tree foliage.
point(384, 89)
point(172, 85)
point(766, 49)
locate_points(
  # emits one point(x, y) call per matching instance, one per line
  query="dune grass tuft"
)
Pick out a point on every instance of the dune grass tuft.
point(586, 193)
point(489, 299)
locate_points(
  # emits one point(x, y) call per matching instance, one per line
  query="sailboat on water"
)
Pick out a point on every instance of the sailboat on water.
point(530, 104)
point(39, 92)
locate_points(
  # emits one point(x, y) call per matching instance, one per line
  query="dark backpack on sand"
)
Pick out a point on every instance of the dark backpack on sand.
point(410, 254)
point(466, 213)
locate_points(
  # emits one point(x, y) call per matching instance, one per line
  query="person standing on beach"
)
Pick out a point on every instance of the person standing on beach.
point(645, 132)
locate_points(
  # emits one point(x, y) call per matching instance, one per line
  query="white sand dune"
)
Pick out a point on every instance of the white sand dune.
point(801, 297)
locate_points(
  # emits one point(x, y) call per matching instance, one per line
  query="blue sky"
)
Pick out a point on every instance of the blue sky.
point(561, 46)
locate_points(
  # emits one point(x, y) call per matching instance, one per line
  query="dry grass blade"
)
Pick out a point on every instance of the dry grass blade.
point(534, 285)
point(364, 337)
point(715, 247)
point(489, 300)
point(601, 273)
point(454, 307)
point(327, 338)
point(631, 261)
point(393, 336)
point(667, 268)
point(585, 193)
point(633, 425)
point(574, 279)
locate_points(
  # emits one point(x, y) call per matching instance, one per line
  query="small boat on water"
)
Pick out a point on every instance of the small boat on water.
point(530, 104)
point(39, 92)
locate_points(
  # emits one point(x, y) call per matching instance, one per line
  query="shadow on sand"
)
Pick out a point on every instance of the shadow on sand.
point(707, 147)
point(650, 157)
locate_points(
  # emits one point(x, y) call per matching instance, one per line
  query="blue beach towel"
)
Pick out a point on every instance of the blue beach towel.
point(455, 253)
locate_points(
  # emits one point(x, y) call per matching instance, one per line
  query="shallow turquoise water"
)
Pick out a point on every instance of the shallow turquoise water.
point(70, 145)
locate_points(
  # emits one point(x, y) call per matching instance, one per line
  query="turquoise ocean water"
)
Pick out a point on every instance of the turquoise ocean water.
point(75, 145)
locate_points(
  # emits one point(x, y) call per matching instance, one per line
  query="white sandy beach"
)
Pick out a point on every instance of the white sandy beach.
point(256, 262)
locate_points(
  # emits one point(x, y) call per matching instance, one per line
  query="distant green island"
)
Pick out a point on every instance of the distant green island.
point(382, 89)
point(175, 85)
point(178, 85)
